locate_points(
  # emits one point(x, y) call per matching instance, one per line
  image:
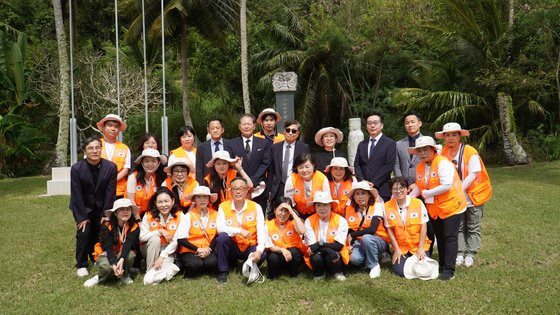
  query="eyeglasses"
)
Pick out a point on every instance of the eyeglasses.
point(180, 171)
point(237, 188)
point(399, 189)
point(290, 130)
point(373, 123)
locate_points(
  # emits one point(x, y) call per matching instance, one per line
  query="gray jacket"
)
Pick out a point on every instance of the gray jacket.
point(404, 166)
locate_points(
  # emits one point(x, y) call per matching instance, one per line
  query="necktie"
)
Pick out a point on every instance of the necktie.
point(248, 148)
point(371, 148)
point(216, 146)
point(286, 163)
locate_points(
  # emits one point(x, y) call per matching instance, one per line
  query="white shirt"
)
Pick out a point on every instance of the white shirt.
point(231, 231)
point(250, 142)
point(311, 238)
point(289, 188)
point(131, 184)
point(183, 231)
point(213, 146)
point(404, 210)
point(146, 234)
point(110, 150)
point(376, 142)
point(473, 167)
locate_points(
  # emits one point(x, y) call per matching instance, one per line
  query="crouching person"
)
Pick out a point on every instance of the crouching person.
point(118, 236)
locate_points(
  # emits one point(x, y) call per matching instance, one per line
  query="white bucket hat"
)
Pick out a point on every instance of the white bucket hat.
point(339, 162)
point(151, 153)
point(112, 117)
point(319, 135)
point(258, 190)
point(268, 111)
point(450, 127)
point(251, 271)
point(364, 185)
point(426, 269)
point(121, 203)
point(222, 155)
point(175, 161)
point(322, 197)
point(421, 142)
point(202, 191)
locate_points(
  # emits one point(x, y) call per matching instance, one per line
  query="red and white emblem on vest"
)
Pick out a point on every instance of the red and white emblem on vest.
point(139, 187)
point(296, 191)
point(433, 174)
point(275, 237)
point(333, 233)
point(250, 218)
point(172, 226)
point(414, 215)
point(392, 216)
point(419, 177)
point(212, 225)
point(121, 154)
point(352, 219)
point(154, 224)
point(229, 222)
point(369, 216)
point(195, 224)
point(290, 233)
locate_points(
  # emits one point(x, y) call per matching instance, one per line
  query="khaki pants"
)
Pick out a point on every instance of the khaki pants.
point(104, 270)
point(469, 231)
point(150, 250)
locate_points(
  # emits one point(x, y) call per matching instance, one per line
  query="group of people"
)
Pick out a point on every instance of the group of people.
point(265, 197)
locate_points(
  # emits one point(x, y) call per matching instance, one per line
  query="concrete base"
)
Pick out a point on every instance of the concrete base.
point(60, 182)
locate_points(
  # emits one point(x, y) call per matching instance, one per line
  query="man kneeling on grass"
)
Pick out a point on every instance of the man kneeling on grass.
point(241, 229)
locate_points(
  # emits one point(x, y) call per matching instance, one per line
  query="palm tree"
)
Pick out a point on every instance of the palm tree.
point(244, 63)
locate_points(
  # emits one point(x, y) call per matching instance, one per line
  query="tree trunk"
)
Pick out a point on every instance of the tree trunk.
point(185, 73)
point(558, 82)
point(64, 69)
point(244, 63)
point(513, 150)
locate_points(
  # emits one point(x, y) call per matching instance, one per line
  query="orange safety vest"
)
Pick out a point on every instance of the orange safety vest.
point(248, 222)
point(117, 248)
point(231, 174)
point(170, 226)
point(189, 187)
point(331, 233)
point(196, 232)
point(344, 188)
point(119, 158)
point(300, 201)
point(450, 202)
point(407, 234)
point(480, 189)
point(141, 196)
point(277, 138)
point(353, 219)
point(287, 237)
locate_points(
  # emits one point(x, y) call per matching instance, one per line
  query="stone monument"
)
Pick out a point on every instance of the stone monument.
point(355, 136)
point(284, 84)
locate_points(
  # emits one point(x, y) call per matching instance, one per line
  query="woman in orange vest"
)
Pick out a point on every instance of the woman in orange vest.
point(196, 235)
point(325, 234)
point(157, 232)
point(304, 182)
point(340, 182)
point(222, 170)
point(367, 237)
point(406, 223)
point(114, 253)
point(143, 182)
point(179, 180)
point(186, 137)
point(328, 138)
point(284, 244)
point(476, 184)
point(439, 184)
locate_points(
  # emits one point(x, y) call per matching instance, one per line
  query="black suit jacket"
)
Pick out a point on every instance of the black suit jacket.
point(275, 179)
point(88, 198)
point(259, 162)
point(378, 168)
point(204, 155)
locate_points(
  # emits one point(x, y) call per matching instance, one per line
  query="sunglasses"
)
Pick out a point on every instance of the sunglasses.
point(290, 130)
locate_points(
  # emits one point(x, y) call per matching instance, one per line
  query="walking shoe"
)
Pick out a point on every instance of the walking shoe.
point(375, 272)
point(82, 272)
point(91, 282)
point(222, 277)
point(339, 276)
point(318, 278)
point(446, 275)
point(469, 261)
point(459, 260)
point(127, 280)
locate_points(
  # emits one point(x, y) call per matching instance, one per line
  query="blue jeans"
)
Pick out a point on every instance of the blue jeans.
point(367, 250)
point(227, 250)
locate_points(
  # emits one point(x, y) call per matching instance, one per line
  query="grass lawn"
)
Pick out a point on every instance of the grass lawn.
point(516, 271)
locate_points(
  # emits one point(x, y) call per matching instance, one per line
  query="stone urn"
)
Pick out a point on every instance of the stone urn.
point(355, 136)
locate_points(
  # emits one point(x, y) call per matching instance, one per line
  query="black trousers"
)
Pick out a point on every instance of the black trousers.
point(446, 231)
point(195, 266)
point(329, 261)
point(277, 263)
point(85, 241)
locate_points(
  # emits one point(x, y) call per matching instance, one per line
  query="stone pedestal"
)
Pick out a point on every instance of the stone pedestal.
point(355, 136)
point(284, 84)
point(60, 182)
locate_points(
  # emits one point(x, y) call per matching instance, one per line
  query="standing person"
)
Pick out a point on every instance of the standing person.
point(439, 184)
point(328, 137)
point(325, 234)
point(476, 184)
point(179, 180)
point(241, 229)
point(340, 179)
point(405, 163)
point(186, 137)
point(375, 157)
point(144, 181)
point(148, 141)
point(92, 181)
point(283, 154)
point(206, 150)
point(114, 150)
point(268, 119)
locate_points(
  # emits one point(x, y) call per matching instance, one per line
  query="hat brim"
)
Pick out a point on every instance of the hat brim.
point(259, 119)
point(162, 158)
point(213, 196)
point(462, 133)
point(328, 168)
point(210, 163)
point(373, 192)
point(170, 167)
point(319, 135)
point(309, 203)
point(433, 269)
point(108, 212)
point(413, 149)
point(102, 122)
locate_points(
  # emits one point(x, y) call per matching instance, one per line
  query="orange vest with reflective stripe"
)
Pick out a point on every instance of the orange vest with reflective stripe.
point(277, 138)
point(119, 158)
point(231, 174)
point(170, 226)
point(353, 219)
point(248, 222)
point(407, 234)
point(287, 237)
point(344, 188)
point(196, 231)
point(189, 187)
point(450, 202)
point(300, 201)
point(331, 234)
point(141, 196)
point(480, 189)
point(117, 248)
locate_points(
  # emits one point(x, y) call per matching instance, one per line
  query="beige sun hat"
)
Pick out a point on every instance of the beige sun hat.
point(319, 135)
point(364, 185)
point(450, 127)
point(425, 269)
point(112, 117)
point(322, 197)
point(202, 191)
point(339, 162)
point(268, 111)
point(151, 153)
point(221, 155)
point(175, 161)
point(121, 203)
point(421, 142)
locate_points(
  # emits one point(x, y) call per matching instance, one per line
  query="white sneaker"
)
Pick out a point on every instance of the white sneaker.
point(318, 278)
point(82, 272)
point(469, 261)
point(91, 282)
point(375, 272)
point(459, 260)
point(339, 276)
point(127, 280)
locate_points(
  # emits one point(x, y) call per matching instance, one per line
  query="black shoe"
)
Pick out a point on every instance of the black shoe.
point(222, 277)
point(446, 275)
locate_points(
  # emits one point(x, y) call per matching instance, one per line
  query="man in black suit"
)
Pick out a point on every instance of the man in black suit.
point(93, 181)
point(207, 148)
point(283, 154)
point(375, 157)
